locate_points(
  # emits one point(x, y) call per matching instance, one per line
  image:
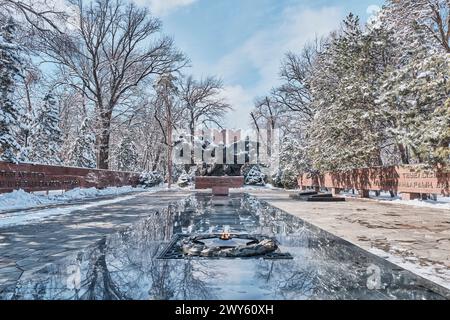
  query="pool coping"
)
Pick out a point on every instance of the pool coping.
point(444, 291)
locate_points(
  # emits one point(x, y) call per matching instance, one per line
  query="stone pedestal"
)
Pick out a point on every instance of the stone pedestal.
point(335, 191)
point(413, 196)
point(220, 191)
point(363, 193)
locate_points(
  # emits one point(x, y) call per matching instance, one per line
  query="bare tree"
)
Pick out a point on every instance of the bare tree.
point(267, 112)
point(203, 104)
point(296, 71)
point(43, 15)
point(114, 50)
point(432, 16)
point(164, 114)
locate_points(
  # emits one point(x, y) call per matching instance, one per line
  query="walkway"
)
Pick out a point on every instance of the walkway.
point(416, 238)
point(28, 247)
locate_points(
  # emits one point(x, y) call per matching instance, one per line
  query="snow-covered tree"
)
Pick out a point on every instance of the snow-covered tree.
point(114, 50)
point(294, 160)
point(127, 157)
point(431, 17)
point(345, 131)
point(45, 140)
point(414, 88)
point(253, 175)
point(369, 95)
point(10, 66)
point(82, 153)
point(203, 104)
point(151, 179)
point(437, 140)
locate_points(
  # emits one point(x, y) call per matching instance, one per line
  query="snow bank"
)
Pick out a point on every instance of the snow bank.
point(440, 203)
point(23, 200)
point(80, 193)
point(24, 217)
point(20, 199)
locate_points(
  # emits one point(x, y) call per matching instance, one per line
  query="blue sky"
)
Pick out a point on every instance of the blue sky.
point(243, 41)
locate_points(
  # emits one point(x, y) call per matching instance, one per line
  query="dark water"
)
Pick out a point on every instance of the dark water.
point(125, 265)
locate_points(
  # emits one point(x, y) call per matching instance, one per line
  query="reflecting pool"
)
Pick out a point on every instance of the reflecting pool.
point(129, 264)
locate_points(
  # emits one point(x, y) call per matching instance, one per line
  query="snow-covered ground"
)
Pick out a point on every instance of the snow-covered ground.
point(20, 199)
point(255, 187)
point(439, 203)
point(24, 217)
point(24, 200)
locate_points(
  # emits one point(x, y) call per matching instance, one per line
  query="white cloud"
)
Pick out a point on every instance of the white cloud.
point(240, 99)
point(373, 12)
point(373, 9)
point(163, 7)
point(264, 50)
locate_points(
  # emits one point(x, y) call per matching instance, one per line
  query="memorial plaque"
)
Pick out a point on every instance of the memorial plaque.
point(36, 177)
point(210, 182)
point(404, 179)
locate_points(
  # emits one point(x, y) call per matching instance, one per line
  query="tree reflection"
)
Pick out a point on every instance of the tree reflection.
point(125, 265)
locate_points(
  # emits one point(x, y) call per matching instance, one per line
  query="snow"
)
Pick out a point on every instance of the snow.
point(24, 217)
point(255, 177)
point(440, 203)
point(20, 199)
point(28, 200)
point(435, 273)
point(424, 74)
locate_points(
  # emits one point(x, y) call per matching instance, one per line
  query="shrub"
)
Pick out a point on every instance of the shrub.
point(253, 175)
point(150, 179)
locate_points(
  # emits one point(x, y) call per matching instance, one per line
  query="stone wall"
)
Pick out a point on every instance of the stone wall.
point(36, 177)
point(412, 181)
point(210, 181)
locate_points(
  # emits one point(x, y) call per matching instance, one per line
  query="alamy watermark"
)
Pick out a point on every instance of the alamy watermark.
point(73, 280)
point(374, 277)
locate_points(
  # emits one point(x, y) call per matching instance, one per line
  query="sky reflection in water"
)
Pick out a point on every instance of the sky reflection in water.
point(125, 265)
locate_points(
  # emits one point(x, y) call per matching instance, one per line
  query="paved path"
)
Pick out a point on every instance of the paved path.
point(28, 247)
point(417, 238)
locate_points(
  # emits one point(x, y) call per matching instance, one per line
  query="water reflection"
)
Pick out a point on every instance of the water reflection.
point(125, 265)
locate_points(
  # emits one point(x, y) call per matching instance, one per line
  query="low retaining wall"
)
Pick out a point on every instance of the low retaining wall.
point(36, 177)
point(219, 185)
point(412, 181)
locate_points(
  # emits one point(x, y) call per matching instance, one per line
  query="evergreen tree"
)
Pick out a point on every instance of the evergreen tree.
point(412, 96)
point(82, 153)
point(345, 131)
point(409, 17)
point(45, 140)
point(375, 95)
point(127, 156)
point(438, 139)
point(10, 65)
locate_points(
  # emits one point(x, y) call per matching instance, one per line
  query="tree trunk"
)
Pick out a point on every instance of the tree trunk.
point(192, 132)
point(155, 163)
point(103, 151)
point(403, 153)
point(103, 139)
point(169, 142)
